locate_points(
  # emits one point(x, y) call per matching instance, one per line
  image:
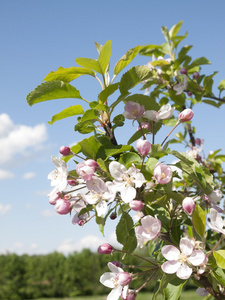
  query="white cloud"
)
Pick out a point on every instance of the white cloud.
point(48, 213)
point(91, 241)
point(19, 139)
point(4, 208)
point(5, 174)
point(29, 175)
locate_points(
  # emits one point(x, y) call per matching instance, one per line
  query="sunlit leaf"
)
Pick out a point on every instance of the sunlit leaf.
point(52, 90)
point(199, 220)
point(104, 56)
point(68, 112)
point(220, 258)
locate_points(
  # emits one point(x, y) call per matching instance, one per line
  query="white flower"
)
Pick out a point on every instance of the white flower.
point(58, 176)
point(166, 112)
point(182, 86)
point(126, 181)
point(99, 192)
point(217, 223)
point(149, 229)
point(179, 262)
point(111, 280)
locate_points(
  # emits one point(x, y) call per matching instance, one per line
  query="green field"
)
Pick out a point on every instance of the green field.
point(142, 296)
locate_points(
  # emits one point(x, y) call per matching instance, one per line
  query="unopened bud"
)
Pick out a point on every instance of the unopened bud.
point(196, 75)
point(143, 147)
point(113, 216)
point(81, 222)
point(183, 71)
point(131, 295)
point(62, 207)
point(124, 278)
point(136, 205)
point(64, 150)
point(186, 115)
point(189, 94)
point(72, 182)
point(105, 249)
point(188, 205)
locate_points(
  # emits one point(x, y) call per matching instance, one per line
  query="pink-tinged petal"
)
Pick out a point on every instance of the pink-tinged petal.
point(115, 293)
point(170, 252)
point(186, 246)
point(101, 208)
point(216, 218)
point(196, 258)
point(114, 268)
point(184, 272)
point(171, 266)
point(108, 279)
point(116, 169)
point(128, 194)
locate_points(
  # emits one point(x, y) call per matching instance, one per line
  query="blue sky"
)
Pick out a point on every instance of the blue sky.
point(38, 37)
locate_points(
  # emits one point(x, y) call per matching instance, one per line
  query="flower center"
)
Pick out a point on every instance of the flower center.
point(182, 258)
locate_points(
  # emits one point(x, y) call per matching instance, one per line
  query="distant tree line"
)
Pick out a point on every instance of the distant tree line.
point(56, 275)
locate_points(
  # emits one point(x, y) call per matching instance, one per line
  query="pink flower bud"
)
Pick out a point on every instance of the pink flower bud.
point(124, 278)
point(162, 173)
point(81, 222)
point(198, 141)
point(62, 207)
point(64, 150)
point(91, 163)
point(133, 110)
point(52, 198)
point(105, 249)
point(131, 295)
point(189, 94)
point(136, 205)
point(113, 216)
point(196, 75)
point(188, 205)
point(144, 125)
point(186, 115)
point(143, 147)
point(72, 182)
point(183, 71)
point(86, 169)
point(117, 264)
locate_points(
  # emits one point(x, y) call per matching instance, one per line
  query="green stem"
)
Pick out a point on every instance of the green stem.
point(178, 122)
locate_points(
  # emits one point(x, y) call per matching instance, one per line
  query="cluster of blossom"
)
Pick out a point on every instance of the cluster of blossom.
point(102, 190)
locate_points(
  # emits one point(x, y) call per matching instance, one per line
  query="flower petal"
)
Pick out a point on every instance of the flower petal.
point(115, 293)
point(170, 252)
point(186, 246)
point(196, 258)
point(128, 194)
point(184, 272)
point(171, 266)
point(108, 279)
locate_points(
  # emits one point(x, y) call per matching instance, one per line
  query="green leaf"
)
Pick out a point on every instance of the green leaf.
point(174, 289)
point(108, 91)
point(68, 74)
point(220, 258)
point(221, 85)
point(148, 102)
point(52, 90)
point(165, 32)
point(104, 56)
point(149, 50)
point(98, 47)
point(137, 135)
point(124, 228)
point(134, 76)
point(175, 29)
point(90, 115)
point(89, 63)
point(131, 244)
point(68, 112)
point(84, 127)
point(126, 59)
point(90, 148)
point(129, 158)
point(219, 274)
point(102, 164)
point(115, 150)
point(199, 220)
point(197, 62)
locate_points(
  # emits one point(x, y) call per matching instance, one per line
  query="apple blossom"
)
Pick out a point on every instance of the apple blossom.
point(181, 262)
point(86, 169)
point(131, 295)
point(151, 115)
point(54, 195)
point(62, 207)
point(105, 249)
point(143, 147)
point(215, 196)
point(126, 181)
point(133, 110)
point(186, 115)
point(136, 205)
point(182, 86)
point(162, 173)
point(58, 177)
point(217, 223)
point(64, 150)
point(165, 112)
point(148, 230)
point(112, 280)
point(188, 205)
